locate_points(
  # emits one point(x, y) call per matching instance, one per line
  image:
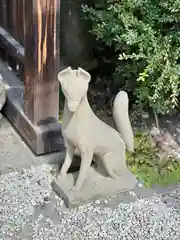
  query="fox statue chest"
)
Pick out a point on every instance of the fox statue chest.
point(74, 125)
point(71, 129)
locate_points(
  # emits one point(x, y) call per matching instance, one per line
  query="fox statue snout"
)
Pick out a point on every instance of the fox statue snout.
point(72, 105)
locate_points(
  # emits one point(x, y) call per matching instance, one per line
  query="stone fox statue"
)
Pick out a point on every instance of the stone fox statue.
point(84, 131)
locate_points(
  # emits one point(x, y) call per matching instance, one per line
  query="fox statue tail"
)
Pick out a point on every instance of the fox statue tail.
point(121, 118)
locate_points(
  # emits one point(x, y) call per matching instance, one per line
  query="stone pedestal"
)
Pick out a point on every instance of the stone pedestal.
point(96, 186)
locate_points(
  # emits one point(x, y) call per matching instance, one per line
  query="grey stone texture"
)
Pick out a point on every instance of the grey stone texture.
point(29, 208)
point(96, 186)
point(15, 154)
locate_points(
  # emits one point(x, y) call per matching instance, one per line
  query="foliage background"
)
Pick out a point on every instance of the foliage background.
point(139, 45)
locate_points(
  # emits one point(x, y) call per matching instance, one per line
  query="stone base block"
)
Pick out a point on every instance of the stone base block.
point(42, 139)
point(96, 186)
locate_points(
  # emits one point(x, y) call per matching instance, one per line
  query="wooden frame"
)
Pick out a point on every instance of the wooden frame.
point(36, 115)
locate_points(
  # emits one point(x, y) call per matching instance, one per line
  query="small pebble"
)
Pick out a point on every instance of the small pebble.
point(46, 199)
point(132, 193)
point(140, 185)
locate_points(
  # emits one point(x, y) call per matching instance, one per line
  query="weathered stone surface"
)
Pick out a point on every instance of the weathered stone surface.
point(84, 131)
point(96, 186)
point(15, 154)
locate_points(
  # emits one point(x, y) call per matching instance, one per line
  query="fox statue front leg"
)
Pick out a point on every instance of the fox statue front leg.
point(86, 160)
point(68, 159)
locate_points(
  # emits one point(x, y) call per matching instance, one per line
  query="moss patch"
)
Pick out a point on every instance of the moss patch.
point(147, 165)
point(60, 116)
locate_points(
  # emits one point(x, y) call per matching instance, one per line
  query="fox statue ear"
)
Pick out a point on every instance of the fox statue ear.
point(82, 74)
point(64, 73)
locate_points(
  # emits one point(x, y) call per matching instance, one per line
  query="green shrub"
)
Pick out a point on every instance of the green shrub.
point(145, 38)
point(149, 166)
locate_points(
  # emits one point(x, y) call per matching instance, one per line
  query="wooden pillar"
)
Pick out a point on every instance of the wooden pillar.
point(41, 65)
point(41, 60)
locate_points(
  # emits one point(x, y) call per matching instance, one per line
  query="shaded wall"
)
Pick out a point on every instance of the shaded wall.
point(76, 46)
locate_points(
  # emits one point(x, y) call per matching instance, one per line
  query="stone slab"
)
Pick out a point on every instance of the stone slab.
point(15, 155)
point(96, 186)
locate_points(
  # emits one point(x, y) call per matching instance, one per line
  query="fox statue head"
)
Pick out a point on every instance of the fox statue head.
point(74, 85)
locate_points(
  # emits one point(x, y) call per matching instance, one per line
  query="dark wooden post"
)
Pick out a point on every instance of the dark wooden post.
point(41, 96)
point(41, 60)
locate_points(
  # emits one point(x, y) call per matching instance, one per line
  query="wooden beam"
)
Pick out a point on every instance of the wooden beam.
point(12, 47)
point(41, 61)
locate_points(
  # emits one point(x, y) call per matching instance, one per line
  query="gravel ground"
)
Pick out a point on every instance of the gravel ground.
point(30, 210)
